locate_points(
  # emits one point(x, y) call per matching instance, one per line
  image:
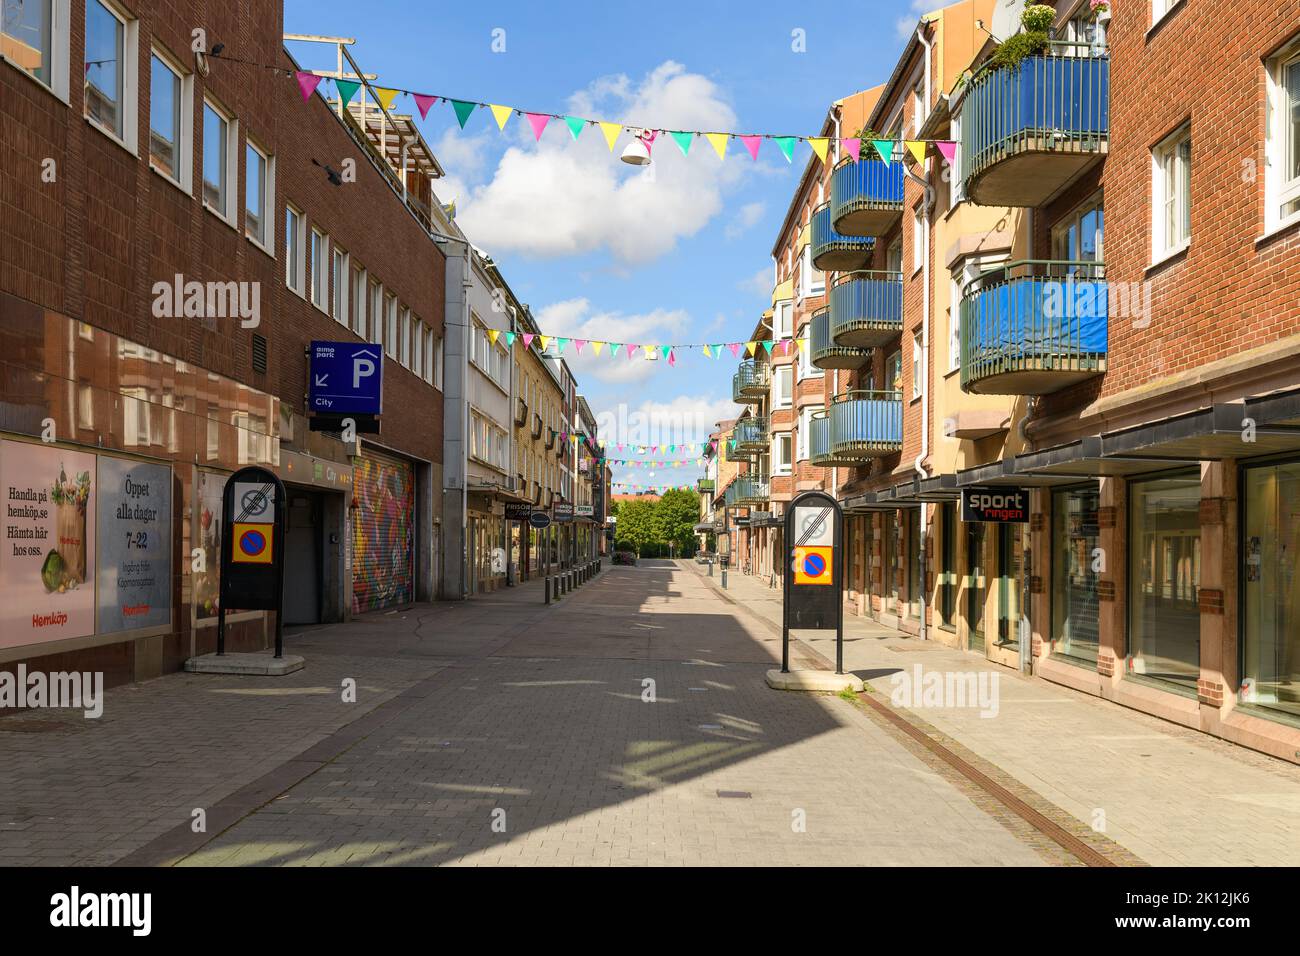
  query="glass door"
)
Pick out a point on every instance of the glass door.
point(948, 567)
point(976, 584)
point(1011, 553)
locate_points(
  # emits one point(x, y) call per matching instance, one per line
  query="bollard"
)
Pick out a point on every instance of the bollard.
point(724, 577)
point(710, 568)
point(547, 590)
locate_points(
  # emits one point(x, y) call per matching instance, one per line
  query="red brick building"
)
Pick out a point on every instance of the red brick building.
point(165, 164)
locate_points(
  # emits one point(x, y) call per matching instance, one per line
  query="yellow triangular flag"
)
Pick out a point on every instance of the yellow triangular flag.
point(719, 143)
point(386, 97)
point(649, 351)
point(917, 149)
point(611, 131)
point(749, 347)
point(707, 353)
point(492, 334)
point(502, 113)
point(543, 339)
point(803, 345)
point(596, 347)
point(819, 145)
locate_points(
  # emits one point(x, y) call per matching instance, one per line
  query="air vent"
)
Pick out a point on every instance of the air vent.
point(259, 354)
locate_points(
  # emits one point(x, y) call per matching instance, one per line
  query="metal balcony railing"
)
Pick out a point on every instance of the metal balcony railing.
point(833, 252)
point(866, 309)
point(747, 490)
point(1029, 130)
point(1033, 327)
point(866, 196)
point(866, 424)
point(822, 350)
point(751, 434)
point(751, 381)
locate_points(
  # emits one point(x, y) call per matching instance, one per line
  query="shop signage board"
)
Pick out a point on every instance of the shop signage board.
point(345, 378)
point(252, 549)
point(1000, 505)
point(584, 511)
point(812, 591)
point(134, 545)
point(539, 520)
point(516, 511)
point(563, 511)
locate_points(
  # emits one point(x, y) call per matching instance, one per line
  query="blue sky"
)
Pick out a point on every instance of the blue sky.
point(679, 252)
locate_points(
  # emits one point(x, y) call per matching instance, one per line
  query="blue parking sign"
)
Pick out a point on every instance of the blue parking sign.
point(345, 378)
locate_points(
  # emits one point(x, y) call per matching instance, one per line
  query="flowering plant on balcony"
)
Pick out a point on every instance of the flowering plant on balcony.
point(1098, 7)
point(1031, 41)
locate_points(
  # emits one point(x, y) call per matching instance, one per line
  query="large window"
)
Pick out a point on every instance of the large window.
point(34, 38)
point(110, 70)
point(784, 319)
point(357, 290)
point(781, 461)
point(918, 239)
point(1075, 564)
point(220, 136)
point(918, 365)
point(806, 368)
point(1270, 587)
point(319, 271)
point(1079, 237)
point(294, 236)
point(1282, 148)
point(339, 279)
point(170, 91)
point(1171, 192)
point(783, 386)
point(1164, 576)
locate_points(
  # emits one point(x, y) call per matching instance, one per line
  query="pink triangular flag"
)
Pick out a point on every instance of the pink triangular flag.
point(578, 344)
point(852, 145)
point(735, 349)
point(631, 350)
point(528, 339)
point(752, 143)
point(307, 83)
point(672, 358)
point(538, 122)
point(424, 101)
point(948, 149)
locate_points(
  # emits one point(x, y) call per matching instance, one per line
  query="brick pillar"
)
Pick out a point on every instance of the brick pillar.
point(1040, 576)
point(1112, 607)
point(1218, 585)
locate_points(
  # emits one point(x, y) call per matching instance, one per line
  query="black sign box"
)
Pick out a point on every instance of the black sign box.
point(1001, 505)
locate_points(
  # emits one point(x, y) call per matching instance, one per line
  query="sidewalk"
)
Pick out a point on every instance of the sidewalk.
point(1168, 794)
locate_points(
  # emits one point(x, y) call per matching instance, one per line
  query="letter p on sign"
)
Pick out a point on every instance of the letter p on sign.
point(362, 367)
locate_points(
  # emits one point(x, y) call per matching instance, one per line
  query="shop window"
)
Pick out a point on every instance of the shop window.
point(1075, 560)
point(1164, 576)
point(1270, 588)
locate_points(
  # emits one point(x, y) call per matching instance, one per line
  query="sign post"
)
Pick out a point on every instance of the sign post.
point(252, 549)
point(813, 592)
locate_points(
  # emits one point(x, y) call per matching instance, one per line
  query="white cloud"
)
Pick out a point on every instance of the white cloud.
point(760, 283)
point(746, 217)
point(576, 318)
point(681, 419)
point(560, 197)
point(905, 25)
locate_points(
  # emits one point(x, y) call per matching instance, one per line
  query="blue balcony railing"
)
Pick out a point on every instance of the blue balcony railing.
point(751, 434)
point(833, 252)
point(822, 350)
point(866, 424)
point(866, 309)
point(866, 197)
point(1034, 327)
point(1029, 130)
point(820, 451)
point(751, 381)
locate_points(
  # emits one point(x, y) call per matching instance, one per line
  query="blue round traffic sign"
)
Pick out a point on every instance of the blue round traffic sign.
point(252, 543)
point(814, 565)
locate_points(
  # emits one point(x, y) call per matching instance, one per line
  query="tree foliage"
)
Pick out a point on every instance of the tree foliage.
point(670, 520)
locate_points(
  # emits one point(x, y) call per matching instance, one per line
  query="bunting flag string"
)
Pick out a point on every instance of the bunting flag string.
point(310, 81)
point(648, 351)
point(635, 486)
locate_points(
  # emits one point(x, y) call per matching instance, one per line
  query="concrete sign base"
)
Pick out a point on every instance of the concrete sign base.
point(813, 680)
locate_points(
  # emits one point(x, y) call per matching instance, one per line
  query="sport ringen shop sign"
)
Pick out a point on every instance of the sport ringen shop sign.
point(997, 505)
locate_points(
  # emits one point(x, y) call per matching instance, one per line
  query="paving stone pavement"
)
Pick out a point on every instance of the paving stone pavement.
point(1167, 794)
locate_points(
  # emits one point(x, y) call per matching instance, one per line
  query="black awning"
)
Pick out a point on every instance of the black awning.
point(938, 489)
point(1085, 459)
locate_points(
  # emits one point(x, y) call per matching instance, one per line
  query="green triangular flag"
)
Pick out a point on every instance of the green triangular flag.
point(510, 339)
point(575, 125)
point(463, 110)
point(768, 345)
point(684, 141)
point(347, 89)
point(560, 344)
point(717, 350)
point(787, 146)
point(885, 147)
point(665, 349)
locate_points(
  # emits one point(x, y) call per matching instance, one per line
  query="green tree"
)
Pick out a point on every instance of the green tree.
point(636, 524)
point(676, 515)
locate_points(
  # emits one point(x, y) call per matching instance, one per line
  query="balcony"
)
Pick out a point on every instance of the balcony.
point(866, 197)
point(865, 425)
point(751, 435)
point(866, 309)
point(751, 381)
point(746, 491)
point(1029, 131)
point(1034, 327)
point(521, 412)
point(822, 350)
point(819, 445)
point(833, 252)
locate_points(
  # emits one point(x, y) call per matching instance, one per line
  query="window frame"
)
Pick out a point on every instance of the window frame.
point(1280, 140)
point(918, 366)
point(185, 132)
point(128, 101)
point(266, 242)
point(340, 287)
point(784, 371)
point(60, 52)
point(295, 258)
point(1171, 187)
point(231, 171)
point(918, 238)
point(318, 256)
point(782, 466)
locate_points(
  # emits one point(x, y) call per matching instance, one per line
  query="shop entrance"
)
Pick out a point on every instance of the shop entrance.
point(303, 558)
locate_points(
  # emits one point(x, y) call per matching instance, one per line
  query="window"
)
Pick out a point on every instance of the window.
point(220, 136)
point(784, 321)
point(781, 464)
point(813, 280)
point(357, 286)
point(170, 94)
point(1078, 237)
point(918, 106)
point(894, 373)
point(918, 365)
point(956, 184)
point(110, 71)
point(390, 325)
point(806, 368)
point(783, 386)
point(376, 313)
point(1159, 8)
point(894, 256)
point(954, 322)
point(1282, 146)
point(319, 273)
point(417, 348)
point(34, 38)
point(430, 368)
point(294, 225)
point(918, 239)
point(258, 190)
point(1075, 540)
point(339, 277)
point(805, 431)
point(1270, 601)
point(1171, 192)
point(404, 338)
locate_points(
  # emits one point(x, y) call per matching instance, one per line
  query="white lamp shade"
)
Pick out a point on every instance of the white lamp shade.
point(636, 153)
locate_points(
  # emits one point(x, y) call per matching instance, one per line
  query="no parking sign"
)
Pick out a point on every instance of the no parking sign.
point(813, 597)
point(252, 569)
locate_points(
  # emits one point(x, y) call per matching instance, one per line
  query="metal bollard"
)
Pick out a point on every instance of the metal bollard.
point(724, 577)
point(547, 589)
point(710, 563)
